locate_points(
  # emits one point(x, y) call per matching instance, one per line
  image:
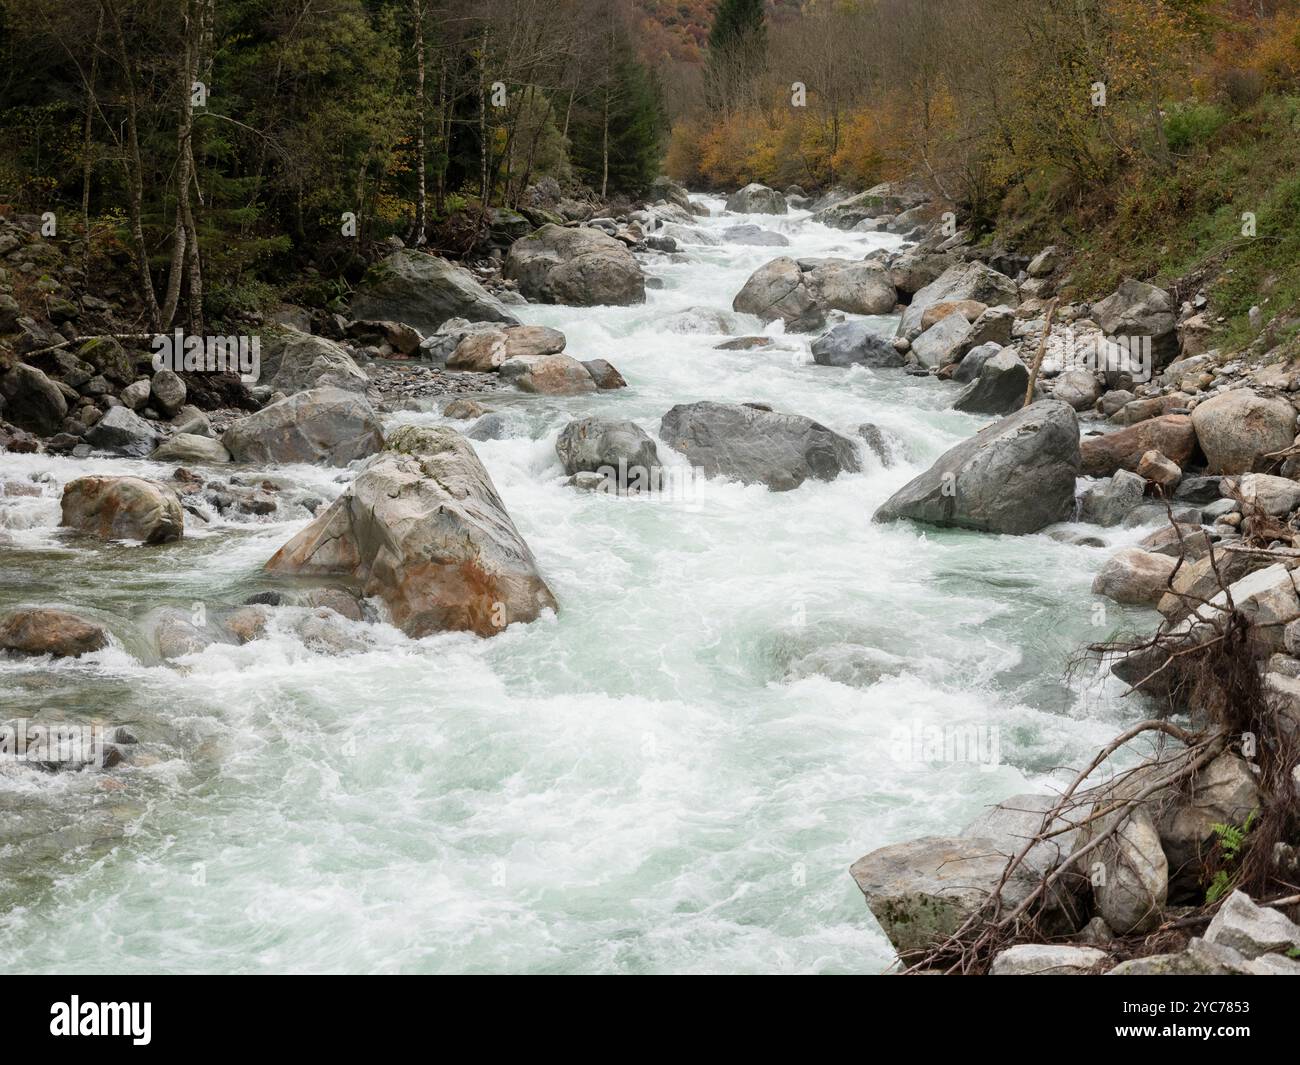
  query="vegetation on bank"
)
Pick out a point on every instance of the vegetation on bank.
point(215, 150)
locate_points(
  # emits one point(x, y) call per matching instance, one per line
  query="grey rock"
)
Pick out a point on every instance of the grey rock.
point(123, 432)
point(1000, 387)
point(576, 267)
point(423, 291)
point(597, 444)
point(325, 426)
point(855, 343)
point(755, 446)
point(757, 199)
point(1016, 476)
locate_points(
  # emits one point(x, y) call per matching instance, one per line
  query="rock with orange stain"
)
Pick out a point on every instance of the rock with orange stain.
point(422, 528)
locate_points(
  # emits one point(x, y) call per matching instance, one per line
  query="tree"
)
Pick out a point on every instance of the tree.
point(618, 132)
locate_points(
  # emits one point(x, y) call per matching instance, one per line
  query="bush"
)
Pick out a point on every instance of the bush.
point(1187, 125)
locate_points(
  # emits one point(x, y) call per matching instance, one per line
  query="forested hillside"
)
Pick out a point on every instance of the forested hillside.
point(217, 149)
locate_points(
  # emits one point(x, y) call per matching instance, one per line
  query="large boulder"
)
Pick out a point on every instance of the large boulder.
point(123, 508)
point(964, 281)
point(485, 352)
point(1129, 871)
point(923, 890)
point(1137, 309)
point(1221, 793)
point(1134, 577)
point(294, 361)
point(1170, 434)
point(548, 375)
point(757, 199)
point(598, 444)
point(577, 267)
point(123, 432)
point(423, 291)
point(914, 269)
point(423, 528)
point(1000, 387)
point(855, 343)
point(32, 401)
point(779, 289)
point(1015, 476)
point(322, 425)
point(45, 631)
point(1237, 429)
point(189, 448)
point(943, 343)
point(853, 286)
point(756, 446)
point(1079, 388)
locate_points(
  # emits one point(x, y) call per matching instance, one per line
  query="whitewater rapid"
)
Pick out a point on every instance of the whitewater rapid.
point(672, 775)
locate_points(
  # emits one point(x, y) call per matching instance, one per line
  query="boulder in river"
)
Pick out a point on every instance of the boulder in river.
point(605, 375)
point(757, 199)
point(856, 343)
point(46, 631)
point(1237, 429)
point(423, 528)
point(577, 267)
point(1134, 577)
point(604, 444)
point(423, 290)
point(1015, 476)
point(744, 443)
point(189, 448)
point(485, 352)
point(853, 286)
point(779, 289)
point(123, 508)
point(548, 375)
point(943, 343)
point(326, 426)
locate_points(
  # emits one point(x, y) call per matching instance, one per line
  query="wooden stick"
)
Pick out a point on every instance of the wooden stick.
point(1042, 350)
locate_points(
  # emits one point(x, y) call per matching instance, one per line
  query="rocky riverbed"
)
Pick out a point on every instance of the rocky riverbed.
point(403, 665)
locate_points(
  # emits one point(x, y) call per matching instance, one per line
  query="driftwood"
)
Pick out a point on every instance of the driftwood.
point(1038, 355)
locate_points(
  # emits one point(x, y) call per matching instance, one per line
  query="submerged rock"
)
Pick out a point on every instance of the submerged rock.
point(46, 631)
point(123, 508)
point(423, 528)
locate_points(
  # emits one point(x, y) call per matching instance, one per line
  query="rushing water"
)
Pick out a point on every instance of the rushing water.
point(672, 775)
